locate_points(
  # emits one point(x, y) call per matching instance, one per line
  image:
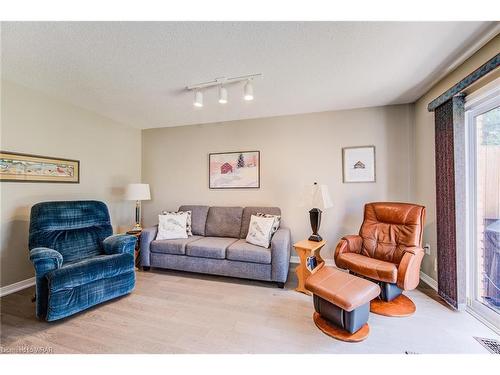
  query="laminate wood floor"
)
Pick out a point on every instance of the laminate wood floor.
point(177, 312)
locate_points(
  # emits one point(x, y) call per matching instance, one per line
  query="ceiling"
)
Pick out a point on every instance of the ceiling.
point(136, 72)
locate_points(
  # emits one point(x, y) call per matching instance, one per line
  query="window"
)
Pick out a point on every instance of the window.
point(483, 203)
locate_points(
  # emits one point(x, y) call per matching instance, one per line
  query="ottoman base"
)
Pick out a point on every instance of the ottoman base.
point(400, 306)
point(338, 333)
point(350, 321)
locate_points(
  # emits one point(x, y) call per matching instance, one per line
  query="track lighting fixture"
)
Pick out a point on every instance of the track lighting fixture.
point(248, 91)
point(198, 99)
point(221, 84)
point(222, 95)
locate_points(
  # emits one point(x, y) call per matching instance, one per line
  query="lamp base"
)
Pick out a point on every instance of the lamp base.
point(137, 227)
point(315, 237)
point(315, 218)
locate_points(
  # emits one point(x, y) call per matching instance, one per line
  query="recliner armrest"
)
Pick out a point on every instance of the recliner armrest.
point(119, 243)
point(413, 250)
point(409, 268)
point(45, 259)
point(348, 244)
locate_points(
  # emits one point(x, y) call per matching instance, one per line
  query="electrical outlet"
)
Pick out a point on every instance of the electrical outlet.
point(427, 249)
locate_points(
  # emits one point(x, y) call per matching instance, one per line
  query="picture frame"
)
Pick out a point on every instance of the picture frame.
point(19, 167)
point(234, 170)
point(358, 164)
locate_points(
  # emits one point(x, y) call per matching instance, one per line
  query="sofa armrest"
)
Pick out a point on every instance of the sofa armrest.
point(281, 244)
point(147, 236)
point(44, 260)
point(119, 243)
point(409, 268)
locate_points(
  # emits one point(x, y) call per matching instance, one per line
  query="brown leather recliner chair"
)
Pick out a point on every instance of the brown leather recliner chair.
point(388, 251)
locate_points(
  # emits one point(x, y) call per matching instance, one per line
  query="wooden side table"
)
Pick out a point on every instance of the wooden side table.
point(137, 234)
point(305, 249)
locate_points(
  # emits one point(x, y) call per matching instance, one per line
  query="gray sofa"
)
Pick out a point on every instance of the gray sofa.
point(218, 246)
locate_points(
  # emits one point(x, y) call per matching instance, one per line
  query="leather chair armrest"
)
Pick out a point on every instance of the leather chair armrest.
point(409, 268)
point(119, 243)
point(348, 244)
point(147, 236)
point(281, 244)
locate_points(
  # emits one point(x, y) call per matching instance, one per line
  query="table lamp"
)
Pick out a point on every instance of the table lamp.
point(137, 193)
point(320, 200)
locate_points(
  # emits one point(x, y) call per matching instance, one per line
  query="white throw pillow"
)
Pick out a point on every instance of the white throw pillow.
point(260, 230)
point(277, 220)
point(172, 226)
point(188, 222)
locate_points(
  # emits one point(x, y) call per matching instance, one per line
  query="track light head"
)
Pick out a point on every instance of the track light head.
point(222, 95)
point(198, 99)
point(248, 91)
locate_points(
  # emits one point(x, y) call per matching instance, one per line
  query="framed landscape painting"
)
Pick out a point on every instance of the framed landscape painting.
point(234, 170)
point(358, 164)
point(15, 167)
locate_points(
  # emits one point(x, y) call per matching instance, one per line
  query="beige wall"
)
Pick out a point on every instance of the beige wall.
point(424, 189)
point(109, 156)
point(295, 151)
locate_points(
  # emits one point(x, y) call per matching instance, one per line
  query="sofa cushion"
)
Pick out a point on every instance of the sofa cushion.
point(198, 218)
point(369, 267)
point(246, 252)
point(209, 247)
point(249, 211)
point(176, 247)
point(224, 222)
point(74, 274)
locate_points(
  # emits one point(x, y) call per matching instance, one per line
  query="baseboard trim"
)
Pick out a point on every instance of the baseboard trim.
point(429, 281)
point(20, 285)
point(295, 259)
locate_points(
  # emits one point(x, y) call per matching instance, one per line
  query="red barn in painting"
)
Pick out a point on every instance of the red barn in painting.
point(226, 168)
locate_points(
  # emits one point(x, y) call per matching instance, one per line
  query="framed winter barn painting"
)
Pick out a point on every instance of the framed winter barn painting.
point(234, 170)
point(358, 164)
point(16, 167)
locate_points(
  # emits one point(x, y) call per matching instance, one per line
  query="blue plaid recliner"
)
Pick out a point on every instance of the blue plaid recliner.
point(78, 262)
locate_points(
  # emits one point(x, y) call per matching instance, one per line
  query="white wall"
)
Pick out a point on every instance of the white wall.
point(109, 155)
point(295, 151)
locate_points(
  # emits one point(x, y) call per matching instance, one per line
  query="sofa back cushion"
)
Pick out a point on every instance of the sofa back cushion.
point(249, 211)
point(198, 218)
point(224, 222)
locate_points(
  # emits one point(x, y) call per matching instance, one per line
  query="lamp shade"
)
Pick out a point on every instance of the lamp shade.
point(320, 197)
point(137, 192)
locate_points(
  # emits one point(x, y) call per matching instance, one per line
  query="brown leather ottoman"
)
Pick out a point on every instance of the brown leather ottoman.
point(342, 303)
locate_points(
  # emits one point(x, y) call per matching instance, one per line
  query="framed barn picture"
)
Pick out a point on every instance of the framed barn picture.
point(234, 170)
point(16, 167)
point(358, 164)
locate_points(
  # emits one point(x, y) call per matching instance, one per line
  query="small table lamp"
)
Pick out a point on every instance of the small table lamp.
point(320, 199)
point(137, 193)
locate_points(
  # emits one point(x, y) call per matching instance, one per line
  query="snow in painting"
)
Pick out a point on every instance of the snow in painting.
point(234, 170)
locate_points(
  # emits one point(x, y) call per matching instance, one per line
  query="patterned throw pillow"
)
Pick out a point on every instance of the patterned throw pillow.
point(172, 226)
point(260, 230)
point(188, 225)
point(277, 220)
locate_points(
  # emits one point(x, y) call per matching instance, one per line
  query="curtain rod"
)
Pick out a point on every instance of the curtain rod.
point(480, 72)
